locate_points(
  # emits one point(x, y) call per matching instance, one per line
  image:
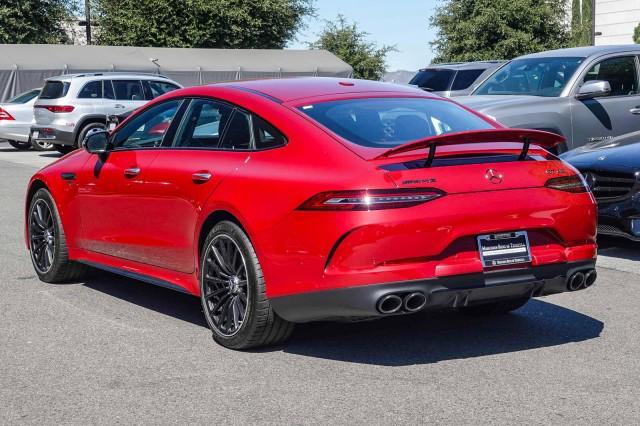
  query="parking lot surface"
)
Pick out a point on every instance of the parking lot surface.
point(114, 350)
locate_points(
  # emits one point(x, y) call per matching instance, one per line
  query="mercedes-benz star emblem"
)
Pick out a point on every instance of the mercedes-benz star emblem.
point(493, 176)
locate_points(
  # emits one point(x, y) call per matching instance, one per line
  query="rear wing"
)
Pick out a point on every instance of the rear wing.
point(526, 137)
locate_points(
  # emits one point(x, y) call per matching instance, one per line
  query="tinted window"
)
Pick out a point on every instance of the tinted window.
point(465, 78)
point(203, 123)
point(128, 90)
point(148, 128)
point(619, 72)
point(265, 135)
point(160, 88)
point(238, 133)
point(54, 90)
point(23, 98)
point(108, 90)
point(385, 123)
point(91, 90)
point(534, 76)
point(433, 79)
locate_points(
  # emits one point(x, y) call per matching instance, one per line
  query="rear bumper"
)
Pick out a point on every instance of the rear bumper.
point(53, 135)
point(14, 132)
point(441, 293)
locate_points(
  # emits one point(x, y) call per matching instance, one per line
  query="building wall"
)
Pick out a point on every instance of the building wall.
point(616, 20)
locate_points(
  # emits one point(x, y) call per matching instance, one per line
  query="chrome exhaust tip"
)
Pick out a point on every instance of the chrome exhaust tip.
point(576, 281)
point(413, 302)
point(389, 304)
point(590, 278)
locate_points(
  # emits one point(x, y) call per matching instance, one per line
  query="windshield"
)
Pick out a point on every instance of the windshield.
point(25, 97)
point(534, 76)
point(433, 79)
point(390, 122)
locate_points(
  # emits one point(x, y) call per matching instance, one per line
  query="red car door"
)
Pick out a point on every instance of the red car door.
point(211, 143)
point(115, 200)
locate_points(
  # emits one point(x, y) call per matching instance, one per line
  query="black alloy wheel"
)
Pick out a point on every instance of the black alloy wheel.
point(42, 236)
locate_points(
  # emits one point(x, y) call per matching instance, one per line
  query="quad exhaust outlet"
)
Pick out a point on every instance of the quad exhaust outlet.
point(581, 280)
point(394, 303)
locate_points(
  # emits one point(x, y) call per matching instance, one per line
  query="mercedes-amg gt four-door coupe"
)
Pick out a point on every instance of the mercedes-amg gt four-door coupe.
point(296, 200)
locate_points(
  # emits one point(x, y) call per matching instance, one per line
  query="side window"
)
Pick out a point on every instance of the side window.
point(465, 78)
point(128, 90)
point(265, 135)
point(619, 72)
point(91, 90)
point(238, 133)
point(147, 129)
point(203, 123)
point(108, 90)
point(160, 88)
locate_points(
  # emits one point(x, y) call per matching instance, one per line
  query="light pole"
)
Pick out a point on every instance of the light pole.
point(87, 17)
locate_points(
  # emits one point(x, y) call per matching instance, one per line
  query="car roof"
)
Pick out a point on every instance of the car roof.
point(465, 65)
point(107, 75)
point(584, 51)
point(289, 89)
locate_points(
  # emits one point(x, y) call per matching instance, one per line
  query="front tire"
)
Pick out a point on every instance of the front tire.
point(20, 146)
point(47, 242)
point(63, 149)
point(499, 307)
point(233, 292)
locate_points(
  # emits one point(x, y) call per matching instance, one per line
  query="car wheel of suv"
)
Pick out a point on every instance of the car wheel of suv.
point(22, 146)
point(40, 145)
point(233, 292)
point(63, 149)
point(495, 308)
point(83, 133)
point(47, 242)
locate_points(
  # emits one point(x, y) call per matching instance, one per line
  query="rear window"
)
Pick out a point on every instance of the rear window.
point(465, 78)
point(389, 122)
point(54, 89)
point(23, 98)
point(436, 80)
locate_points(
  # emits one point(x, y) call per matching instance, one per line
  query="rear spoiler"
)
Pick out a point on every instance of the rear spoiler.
point(526, 137)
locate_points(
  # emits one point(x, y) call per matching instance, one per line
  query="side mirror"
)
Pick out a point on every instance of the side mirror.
point(594, 89)
point(96, 141)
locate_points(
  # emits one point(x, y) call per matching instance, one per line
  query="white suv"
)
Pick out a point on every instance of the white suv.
point(71, 105)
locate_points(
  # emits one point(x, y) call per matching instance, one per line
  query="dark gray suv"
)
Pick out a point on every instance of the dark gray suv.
point(453, 79)
point(586, 94)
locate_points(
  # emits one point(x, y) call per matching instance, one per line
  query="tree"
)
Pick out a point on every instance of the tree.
point(469, 30)
point(346, 41)
point(581, 22)
point(200, 23)
point(636, 35)
point(33, 21)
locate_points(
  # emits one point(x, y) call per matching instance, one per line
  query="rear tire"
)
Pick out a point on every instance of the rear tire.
point(47, 242)
point(63, 149)
point(21, 146)
point(83, 133)
point(233, 292)
point(495, 308)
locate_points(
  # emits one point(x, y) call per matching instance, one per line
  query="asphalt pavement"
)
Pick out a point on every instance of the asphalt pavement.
point(111, 350)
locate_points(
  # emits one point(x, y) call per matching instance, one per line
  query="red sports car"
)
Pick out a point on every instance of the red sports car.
point(296, 200)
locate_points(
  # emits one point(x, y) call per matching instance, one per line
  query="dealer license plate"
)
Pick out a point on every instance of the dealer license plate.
point(508, 248)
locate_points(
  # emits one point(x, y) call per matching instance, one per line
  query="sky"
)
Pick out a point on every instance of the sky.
point(403, 23)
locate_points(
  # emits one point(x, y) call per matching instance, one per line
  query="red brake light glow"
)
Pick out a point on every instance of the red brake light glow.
point(56, 108)
point(4, 115)
point(573, 184)
point(372, 199)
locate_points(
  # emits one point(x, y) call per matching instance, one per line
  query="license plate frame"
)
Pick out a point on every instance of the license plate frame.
point(504, 249)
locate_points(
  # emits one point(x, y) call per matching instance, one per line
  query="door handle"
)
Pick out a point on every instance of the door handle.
point(635, 110)
point(68, 175)
point(132, 172)
point(201, 177)
point(118, 106)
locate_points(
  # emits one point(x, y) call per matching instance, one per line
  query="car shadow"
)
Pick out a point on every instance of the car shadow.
point(619, 247)
point(396, 341)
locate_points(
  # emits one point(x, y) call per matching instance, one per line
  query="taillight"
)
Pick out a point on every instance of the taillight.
point(57, 108)
point(372, 199)
point(573, 184)
point(4, 115)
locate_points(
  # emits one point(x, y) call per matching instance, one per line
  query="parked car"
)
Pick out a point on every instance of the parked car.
point(453, 79)
point(611, 168)
point(295, 200)
point(16, 118)
point(586, 94)
point(71, 105)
